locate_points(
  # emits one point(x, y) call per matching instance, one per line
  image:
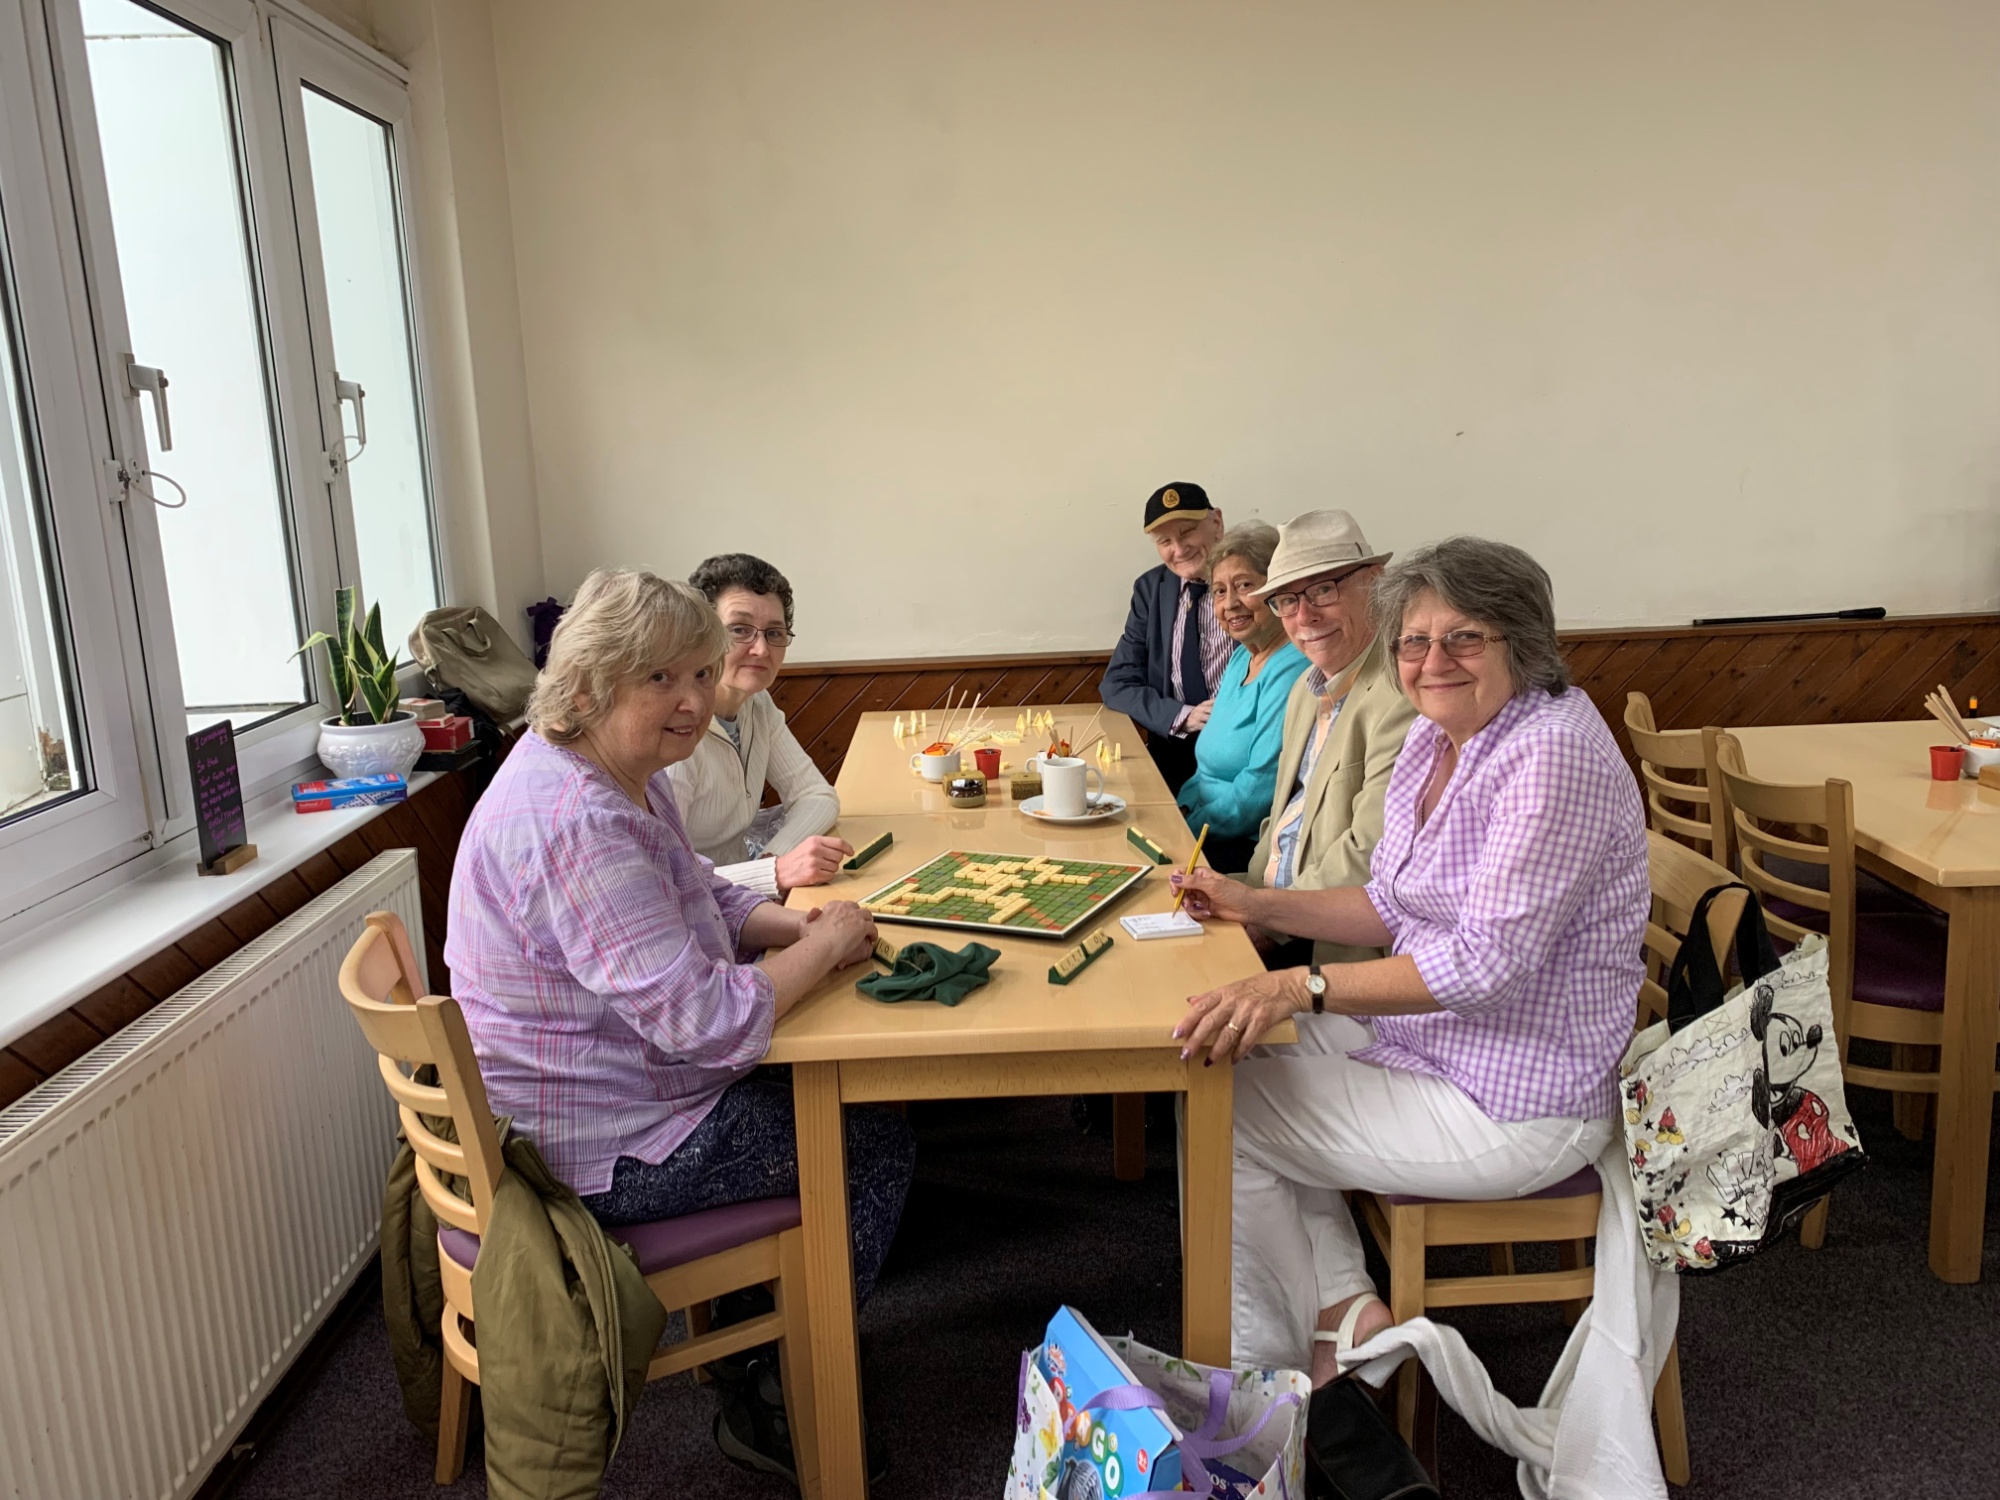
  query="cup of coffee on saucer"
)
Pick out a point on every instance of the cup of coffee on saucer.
point(1066, 786)
point(937, 762)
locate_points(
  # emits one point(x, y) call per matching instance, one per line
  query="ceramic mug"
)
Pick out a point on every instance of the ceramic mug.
point(935, 767)
point(1065, 786)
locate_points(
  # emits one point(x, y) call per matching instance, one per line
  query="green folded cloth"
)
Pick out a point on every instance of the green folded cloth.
point(924, 971)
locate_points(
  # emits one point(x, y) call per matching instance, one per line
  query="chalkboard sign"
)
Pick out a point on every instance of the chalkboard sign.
point(218, 791)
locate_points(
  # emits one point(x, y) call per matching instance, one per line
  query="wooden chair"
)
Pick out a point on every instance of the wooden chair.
point(1676, 772)
point(1885, 964)
point(1406, 1226)
point(685, 1261)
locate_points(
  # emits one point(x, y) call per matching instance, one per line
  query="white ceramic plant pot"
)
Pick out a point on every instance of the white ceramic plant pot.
point(371, 749)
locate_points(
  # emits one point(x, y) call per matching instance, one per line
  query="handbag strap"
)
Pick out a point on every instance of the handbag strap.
point(1694, 982)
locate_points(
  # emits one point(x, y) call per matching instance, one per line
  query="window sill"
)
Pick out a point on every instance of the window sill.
point(68, 955)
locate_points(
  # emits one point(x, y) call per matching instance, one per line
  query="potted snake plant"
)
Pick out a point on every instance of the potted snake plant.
point(371, 734)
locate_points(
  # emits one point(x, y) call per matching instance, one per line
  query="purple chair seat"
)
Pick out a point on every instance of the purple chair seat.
point(1898, 955)
point(1576, 1185)
point(670, 1242)
point(1871, 892)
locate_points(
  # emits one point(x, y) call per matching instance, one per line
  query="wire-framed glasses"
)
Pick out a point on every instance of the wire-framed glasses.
point(1458, 644)
point(777, 637)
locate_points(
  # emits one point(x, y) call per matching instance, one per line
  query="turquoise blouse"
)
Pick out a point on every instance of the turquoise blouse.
point(1236, 754)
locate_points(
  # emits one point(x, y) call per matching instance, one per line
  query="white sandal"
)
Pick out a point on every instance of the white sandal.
point(1342, 1338)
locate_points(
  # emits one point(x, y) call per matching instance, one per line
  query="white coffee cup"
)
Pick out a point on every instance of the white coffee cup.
point(935, 767)
point(1065, 786)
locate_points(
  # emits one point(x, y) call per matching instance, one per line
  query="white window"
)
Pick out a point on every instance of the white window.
point(211, 404)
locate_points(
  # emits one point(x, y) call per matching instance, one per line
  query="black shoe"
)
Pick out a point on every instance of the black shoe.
point(753, 1432)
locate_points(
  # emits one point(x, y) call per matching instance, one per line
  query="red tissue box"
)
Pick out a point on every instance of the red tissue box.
point(446, 734)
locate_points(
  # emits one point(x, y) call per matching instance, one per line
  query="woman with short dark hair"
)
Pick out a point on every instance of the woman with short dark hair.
point(747, 748)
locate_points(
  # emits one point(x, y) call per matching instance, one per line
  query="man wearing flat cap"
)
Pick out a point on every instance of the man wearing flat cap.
point(1345, 721)
point(1165, 668)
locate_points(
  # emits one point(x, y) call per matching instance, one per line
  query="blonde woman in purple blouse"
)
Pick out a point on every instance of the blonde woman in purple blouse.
point(1477, 1060)
point(620, 994)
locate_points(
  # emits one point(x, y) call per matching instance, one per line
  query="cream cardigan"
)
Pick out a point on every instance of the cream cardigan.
point(718, 793)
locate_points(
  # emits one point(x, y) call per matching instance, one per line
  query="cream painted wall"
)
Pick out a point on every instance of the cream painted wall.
point(919, 299)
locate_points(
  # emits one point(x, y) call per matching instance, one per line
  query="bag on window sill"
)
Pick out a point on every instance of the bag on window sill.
point(1736, 1121)
point(463, 647)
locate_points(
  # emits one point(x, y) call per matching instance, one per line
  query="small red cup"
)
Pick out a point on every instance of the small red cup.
point(1947, 762)
point(988, 761)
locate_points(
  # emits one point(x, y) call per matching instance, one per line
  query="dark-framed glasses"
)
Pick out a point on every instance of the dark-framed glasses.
point(777, 637)
point(1458, 644)
point(1318, 595)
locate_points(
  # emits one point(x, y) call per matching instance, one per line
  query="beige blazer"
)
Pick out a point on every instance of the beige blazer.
point(1342, 819)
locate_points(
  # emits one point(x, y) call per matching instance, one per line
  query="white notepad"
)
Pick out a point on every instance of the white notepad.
point(1161, 924)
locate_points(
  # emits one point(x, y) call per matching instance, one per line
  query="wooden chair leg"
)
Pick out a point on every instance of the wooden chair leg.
point(454, 1423)
point(697, 1321)
point(1672, 1419)
point(1502, 1259)
point(795, 1371)
point(1812, 1228)
point(1570, 1256)
point(1128, 1137)
point(1405, 1254)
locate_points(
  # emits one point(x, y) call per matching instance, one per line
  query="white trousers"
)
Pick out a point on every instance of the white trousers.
point(1310, 1122)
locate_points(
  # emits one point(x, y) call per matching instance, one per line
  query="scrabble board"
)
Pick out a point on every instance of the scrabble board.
point(1031, 895)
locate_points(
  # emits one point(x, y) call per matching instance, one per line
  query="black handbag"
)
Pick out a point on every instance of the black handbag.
point(1353, 1453)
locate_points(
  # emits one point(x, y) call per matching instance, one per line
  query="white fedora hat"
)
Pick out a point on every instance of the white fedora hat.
point(1317, 542)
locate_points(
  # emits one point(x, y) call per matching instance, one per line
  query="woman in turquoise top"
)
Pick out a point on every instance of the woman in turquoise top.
point(1236, 755)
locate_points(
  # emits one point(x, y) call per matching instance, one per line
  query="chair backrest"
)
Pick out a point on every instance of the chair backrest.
point(1811, 824)
point(1680, 877)
point(381, 984)
point(1676, 770)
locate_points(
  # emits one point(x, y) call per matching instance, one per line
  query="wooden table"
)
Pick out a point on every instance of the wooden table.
point(1941, 841)
point(1108, 1031)
point(875, 777)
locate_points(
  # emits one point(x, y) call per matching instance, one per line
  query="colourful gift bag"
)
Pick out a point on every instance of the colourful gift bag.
point(1243, 1431)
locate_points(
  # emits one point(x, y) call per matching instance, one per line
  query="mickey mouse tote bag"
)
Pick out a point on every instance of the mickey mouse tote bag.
point(1735, 1118)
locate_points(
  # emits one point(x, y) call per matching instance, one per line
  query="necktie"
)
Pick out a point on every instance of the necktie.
point(1193, 683)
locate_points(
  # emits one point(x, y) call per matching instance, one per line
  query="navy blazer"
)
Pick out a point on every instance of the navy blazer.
point(1139, 681)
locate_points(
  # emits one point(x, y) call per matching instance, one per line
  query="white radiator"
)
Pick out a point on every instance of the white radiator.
point(182, 1207)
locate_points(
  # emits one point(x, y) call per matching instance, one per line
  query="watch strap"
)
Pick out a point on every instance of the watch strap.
point(1318, 990)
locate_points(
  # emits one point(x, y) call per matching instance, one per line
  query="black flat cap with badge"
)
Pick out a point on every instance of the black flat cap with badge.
point(1176, 502)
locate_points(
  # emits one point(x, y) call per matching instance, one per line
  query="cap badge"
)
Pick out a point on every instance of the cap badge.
point(1170, 499)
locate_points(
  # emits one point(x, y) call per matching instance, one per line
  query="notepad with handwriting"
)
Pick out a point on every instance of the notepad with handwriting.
point(1161, 924)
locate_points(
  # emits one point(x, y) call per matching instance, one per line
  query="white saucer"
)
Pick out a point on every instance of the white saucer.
point(1106, 806)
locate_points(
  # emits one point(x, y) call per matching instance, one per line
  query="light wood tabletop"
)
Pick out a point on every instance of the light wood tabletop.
point(1941, 841)
point(876, 776)
point(1108, 1031)
point(1943, 832)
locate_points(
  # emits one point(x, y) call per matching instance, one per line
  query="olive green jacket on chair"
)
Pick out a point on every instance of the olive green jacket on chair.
point(566, 1326)
point(1341, 822)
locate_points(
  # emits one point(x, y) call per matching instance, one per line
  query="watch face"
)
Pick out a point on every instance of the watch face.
point(1316, 984)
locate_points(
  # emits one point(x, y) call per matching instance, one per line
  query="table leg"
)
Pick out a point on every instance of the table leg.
point(1208, 1194)
point(1128, 1137)
point(829, 1271)
point(1965, 1084)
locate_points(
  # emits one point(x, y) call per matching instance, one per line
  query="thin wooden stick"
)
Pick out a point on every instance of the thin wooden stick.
point(1957, 729)
point(1181, 894)
point(1945, 698)
point(1087, 744)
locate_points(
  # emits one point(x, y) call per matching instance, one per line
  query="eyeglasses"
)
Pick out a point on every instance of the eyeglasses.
point(777, 638)
point(1458, 645)
point(1319, 596)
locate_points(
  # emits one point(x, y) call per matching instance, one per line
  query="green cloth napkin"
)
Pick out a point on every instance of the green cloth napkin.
point(924, 971)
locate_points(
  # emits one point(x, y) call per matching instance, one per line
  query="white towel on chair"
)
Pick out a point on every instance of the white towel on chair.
point(1591, 1438)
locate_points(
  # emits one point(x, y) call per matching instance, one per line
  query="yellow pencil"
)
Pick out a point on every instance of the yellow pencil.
point(1181, 894)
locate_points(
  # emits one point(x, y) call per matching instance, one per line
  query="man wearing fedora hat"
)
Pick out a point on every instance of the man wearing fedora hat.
point(1345, 721)
point(1165, 668)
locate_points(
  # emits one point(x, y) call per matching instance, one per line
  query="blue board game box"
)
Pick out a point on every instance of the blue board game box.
point(1105, 1454)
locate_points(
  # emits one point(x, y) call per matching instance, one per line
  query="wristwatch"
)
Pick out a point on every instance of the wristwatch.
point(1316, 987)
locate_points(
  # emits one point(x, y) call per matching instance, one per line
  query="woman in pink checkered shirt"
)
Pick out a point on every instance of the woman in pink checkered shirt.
point(620, 994)
point(1477, 1060)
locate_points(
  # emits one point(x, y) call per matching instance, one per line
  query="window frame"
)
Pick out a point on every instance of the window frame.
point(52, 848)
point(308, 56)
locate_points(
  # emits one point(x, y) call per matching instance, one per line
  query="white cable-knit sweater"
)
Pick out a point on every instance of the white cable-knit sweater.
point(719, 794)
